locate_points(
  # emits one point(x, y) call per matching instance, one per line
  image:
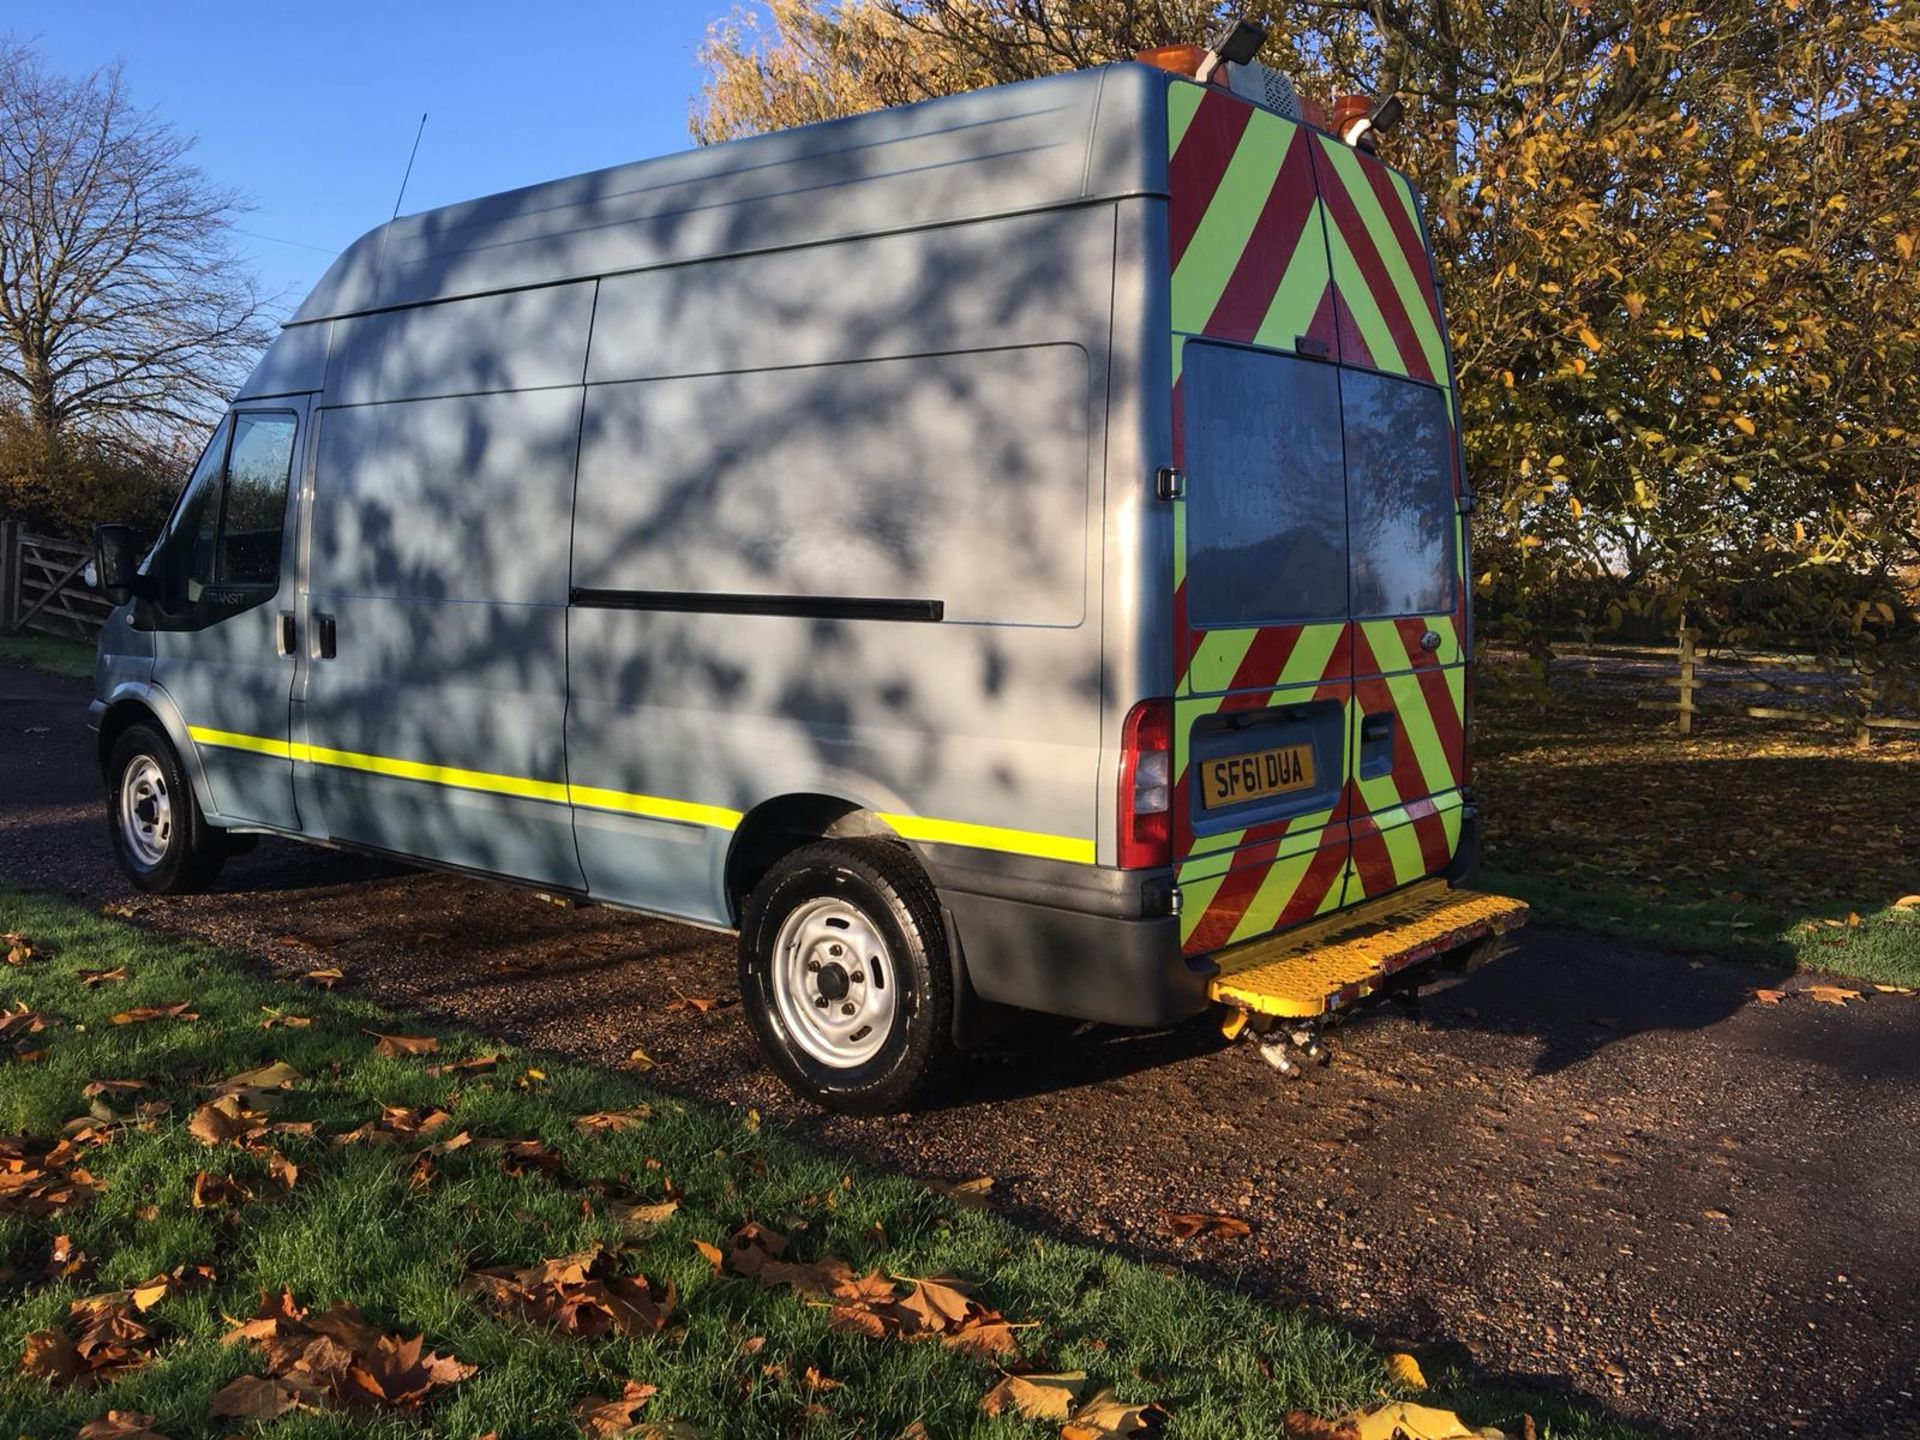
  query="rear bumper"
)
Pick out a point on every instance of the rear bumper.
point(1076, 940)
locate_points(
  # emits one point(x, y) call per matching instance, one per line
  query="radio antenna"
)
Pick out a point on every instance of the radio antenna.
point(411, 155)
point(386, 231)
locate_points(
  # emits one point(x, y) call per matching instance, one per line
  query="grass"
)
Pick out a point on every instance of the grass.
point(49, 653)
point(354, 1228)
point(1758, 843)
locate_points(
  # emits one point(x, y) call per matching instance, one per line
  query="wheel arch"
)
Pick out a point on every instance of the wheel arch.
point(776, 827)
point(151, 705)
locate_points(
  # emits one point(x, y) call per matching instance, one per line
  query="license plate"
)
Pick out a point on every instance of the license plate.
point(1253, 777)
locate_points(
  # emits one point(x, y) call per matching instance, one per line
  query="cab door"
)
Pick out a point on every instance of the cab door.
point(223, 612)
point(1263, 670)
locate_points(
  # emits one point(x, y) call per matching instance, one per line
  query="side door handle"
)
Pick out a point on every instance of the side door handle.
point(325, 637)
point(283, 633)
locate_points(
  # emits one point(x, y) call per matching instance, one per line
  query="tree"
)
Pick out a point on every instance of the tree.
point(123, 313)
point(1677, 242)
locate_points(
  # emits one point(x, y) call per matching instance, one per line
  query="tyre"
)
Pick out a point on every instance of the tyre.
point(164, 843)
point(845, 977)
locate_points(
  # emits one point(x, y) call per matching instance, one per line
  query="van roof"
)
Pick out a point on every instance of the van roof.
point(1093, 135)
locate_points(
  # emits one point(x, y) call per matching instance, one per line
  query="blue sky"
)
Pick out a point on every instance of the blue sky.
point(309, 111)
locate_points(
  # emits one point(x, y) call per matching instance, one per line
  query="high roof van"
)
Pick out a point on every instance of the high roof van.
point(1008, 550)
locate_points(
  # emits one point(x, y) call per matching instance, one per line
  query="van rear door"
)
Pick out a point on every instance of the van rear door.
point(1263, 680)
point(1406, 537)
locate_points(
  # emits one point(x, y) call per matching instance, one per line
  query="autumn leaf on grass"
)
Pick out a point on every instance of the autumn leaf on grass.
point(140, 1014)
point(1104, 1417)
point(1184, 1226)
point(397, 1047)
point(969, 1193)
point(334, 1357)
point(1299, 1425)
point(255, 1397)
point(478, 1064)
point(182, 1278)
point(42, 1182)
point(19, 949)
point(611, 1418)
point(647, 1213)
point(1769, 997)
point(752, 1247)
point(1403, 1369)
point(1036, 1397)
point(120, 1425)
point(286, 1018)
point(1907, 902)
point(520, 1158)
point(604, 1121)
point(1831, 994)
point(226, 1120)
point(102, 1340)
point(18, 1024)
point(583, 1295)
point(113, 976)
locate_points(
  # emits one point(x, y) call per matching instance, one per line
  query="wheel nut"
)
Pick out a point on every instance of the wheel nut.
point(836, 950)
point(858, 977)
point(846, 1009)
point(820, 1001)
point(813, 967)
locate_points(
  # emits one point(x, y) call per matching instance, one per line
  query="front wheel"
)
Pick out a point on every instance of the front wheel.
point(845, 974)
point(164, 843)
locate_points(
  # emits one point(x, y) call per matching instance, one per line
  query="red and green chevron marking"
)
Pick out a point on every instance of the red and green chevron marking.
point(1286, 239)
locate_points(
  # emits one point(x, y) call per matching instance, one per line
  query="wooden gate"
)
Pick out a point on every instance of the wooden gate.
point(41, 588)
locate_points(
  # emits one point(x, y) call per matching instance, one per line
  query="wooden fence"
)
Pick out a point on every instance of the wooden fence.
point(41, 588)
point(1845, 693)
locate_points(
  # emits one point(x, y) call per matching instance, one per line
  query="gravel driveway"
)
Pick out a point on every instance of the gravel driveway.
point(1590, 1164)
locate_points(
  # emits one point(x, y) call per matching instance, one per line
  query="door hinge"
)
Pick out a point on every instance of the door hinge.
point(1170, 483)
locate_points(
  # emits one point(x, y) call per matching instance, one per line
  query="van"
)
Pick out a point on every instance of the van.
point(1008, 550)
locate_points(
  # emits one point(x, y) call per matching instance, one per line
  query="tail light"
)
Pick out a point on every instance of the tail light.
point(1146, 786)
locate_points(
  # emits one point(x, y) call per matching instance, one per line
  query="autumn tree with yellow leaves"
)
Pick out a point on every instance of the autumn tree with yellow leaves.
point(1677, 243)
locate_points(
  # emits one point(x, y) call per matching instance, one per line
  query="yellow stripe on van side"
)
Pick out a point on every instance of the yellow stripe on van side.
point(657, 807)
point(992, 837)
point(229, 740)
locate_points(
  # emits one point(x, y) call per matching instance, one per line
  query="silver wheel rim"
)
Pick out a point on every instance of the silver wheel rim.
point(145, 811)
point(834, 983)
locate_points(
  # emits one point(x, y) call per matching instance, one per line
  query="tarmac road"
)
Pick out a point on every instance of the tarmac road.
point(1590, 1164)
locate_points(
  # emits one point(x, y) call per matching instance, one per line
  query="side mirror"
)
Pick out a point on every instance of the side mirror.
point(114, 562)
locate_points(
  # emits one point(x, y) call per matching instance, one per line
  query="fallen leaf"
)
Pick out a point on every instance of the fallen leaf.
point(226, 1120)
point(277, 1075)
point(652, 1213)
point(1401, 1420)
point(255, 1397)
point(93, 978)
point(1831, 994)
point(715, 1255)
point(19, 949)
point(1907, 902)
point(1036, 1397)
point(1403, 1369)
point(970, 1193)
point(397, 1047)
point(286, 1018)
point(1103, 1417)
point(1299, 1425)
point(609, 1419)
point(1769, 997)
point(584, 1295)
point(140, 1014)
point(638, 1059)
point(323, 979)
point(477, 1064)
point(602, 1121)
point(1219, 1227)
point(120, 1425)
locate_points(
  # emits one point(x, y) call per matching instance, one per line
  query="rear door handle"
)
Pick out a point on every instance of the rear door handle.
point(1375, 728)
point(283, 633)
point(325, 637)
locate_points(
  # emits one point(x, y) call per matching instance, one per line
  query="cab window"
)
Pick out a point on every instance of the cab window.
point(226, 530)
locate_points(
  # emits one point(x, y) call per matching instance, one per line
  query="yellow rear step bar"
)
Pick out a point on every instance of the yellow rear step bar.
point(1329, 964)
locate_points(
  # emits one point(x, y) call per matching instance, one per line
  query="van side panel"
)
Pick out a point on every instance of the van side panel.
point(909, 418)
point(439, 545)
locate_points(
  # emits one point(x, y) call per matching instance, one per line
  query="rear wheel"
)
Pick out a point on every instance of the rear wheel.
point(845, 974)
point(164, 843)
